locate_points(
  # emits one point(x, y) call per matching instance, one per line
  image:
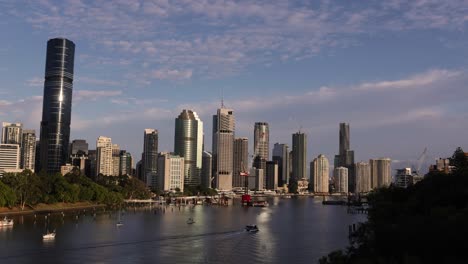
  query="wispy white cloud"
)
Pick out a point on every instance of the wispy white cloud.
point(216, 38)
point(166, 74)
point(35, 82)
point(95, 94)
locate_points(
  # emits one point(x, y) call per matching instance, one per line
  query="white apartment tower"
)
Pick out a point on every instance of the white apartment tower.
point(104, 156)
point(319, 174)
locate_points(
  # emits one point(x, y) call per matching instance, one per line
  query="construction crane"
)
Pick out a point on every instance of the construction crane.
point(421, 160)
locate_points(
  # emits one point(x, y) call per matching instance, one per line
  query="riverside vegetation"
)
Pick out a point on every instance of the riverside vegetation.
point(425, 223)
point(27, 189)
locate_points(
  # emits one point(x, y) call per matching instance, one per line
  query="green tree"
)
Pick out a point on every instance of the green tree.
point(133, 188)
point(293, 186)
point(459, 160)
point(7, 196)
point(25, 185)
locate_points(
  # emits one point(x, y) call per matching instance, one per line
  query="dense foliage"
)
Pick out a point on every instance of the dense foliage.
point(199, 190)
point(425, 223)
point(28, 189)
point(293, 185)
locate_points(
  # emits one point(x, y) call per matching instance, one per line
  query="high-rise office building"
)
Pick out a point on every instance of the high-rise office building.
point(170, 172)
point(271, 175)
point(104, 156)
point(241, 156)
point(341, 179)
point(256, 179)
point(9, 158)
point(345, 158)
point(319, 174)
point(150, 157)
point(91, 164)
point(262, 140)
point(299, 151)
point(125, 163)
point(363, 177)
point(79, 150)
point(381, 173)
point(206, 173)
point(12, 133)
point(79, 146)
point(281, 156)
point(28, 150)
point(223, 148)
point(57, 104)
point(115, 160)
point(188, 143)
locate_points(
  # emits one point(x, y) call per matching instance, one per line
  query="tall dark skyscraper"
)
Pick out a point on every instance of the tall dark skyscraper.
point(241, 156)
point(299, 155)
point(57, 104)
point(345, 158)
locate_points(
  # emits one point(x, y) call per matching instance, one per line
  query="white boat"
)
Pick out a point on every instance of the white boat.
point(6, 222)
point(49, 236)
point(251, 228)
point(119, 223)
point(190, 221)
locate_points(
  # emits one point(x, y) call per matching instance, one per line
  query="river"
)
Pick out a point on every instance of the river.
point(297, 230)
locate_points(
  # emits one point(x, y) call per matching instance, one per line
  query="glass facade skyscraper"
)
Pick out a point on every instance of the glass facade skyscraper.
point(188, 143)
point(57, 103)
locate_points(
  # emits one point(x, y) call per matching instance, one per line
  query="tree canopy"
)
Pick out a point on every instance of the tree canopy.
point(28, 189)
point(425, 223)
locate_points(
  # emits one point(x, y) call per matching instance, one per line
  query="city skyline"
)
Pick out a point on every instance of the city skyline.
point(392, 102)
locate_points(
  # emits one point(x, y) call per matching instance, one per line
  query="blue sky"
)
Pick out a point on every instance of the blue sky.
point(395, 70)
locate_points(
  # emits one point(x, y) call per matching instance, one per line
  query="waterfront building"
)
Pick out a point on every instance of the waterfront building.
point(170, 175)
point(341, 179)
point(207, 165)
point(104, 156)
point(319, 174)
point(363, 177)
point(241, 156)
point(28, 150)
point(381, 174)
point(9, 158)
point(271, 177)
point(262, 140)
point(188, 143)
point(12, 133)
point(281, 156)
point(403, 178)
point(57, 104)
point(299, 155)
point(149, 157)
point(256, 179)
point(223, 148)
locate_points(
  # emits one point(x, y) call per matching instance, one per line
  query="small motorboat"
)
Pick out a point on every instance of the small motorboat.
point(6, 222)
point(190, 221)
point(119, 223)
point(251, 228)
point(49, 236)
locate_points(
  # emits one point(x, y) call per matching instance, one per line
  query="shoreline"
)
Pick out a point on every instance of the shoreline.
point(48, 208)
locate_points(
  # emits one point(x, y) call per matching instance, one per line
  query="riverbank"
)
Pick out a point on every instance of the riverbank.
point(49, 208)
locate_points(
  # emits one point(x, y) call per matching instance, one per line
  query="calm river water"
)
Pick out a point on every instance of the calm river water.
point(291, 231)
